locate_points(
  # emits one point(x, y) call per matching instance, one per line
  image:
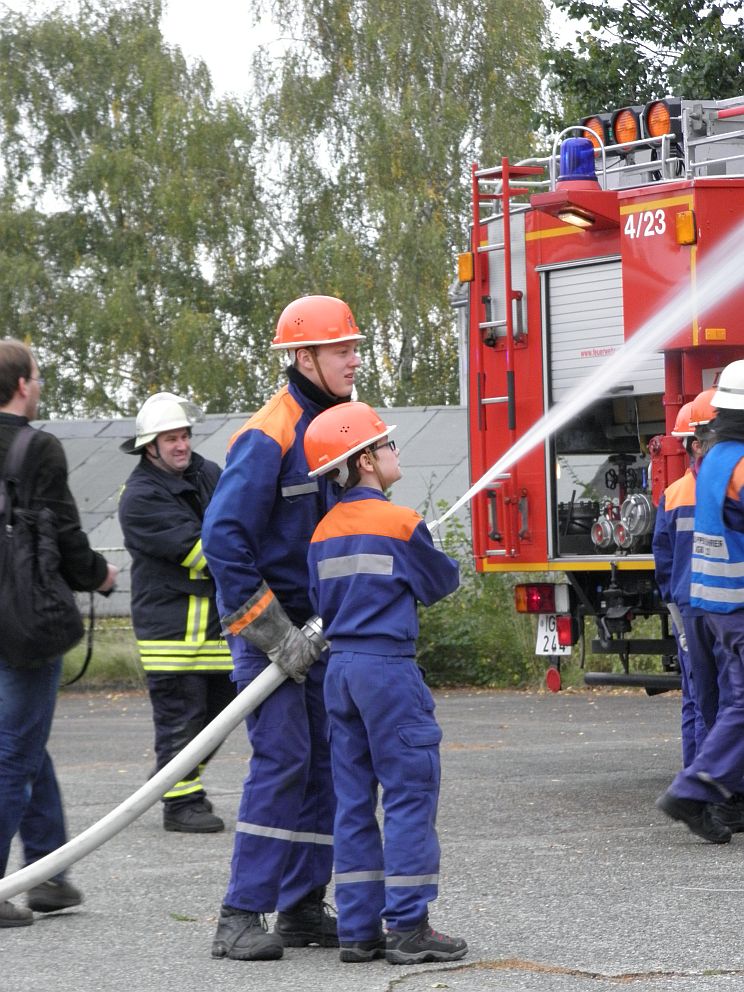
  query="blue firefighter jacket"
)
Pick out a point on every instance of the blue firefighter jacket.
point(370, 562)
point(672, 540)
point(264, 510)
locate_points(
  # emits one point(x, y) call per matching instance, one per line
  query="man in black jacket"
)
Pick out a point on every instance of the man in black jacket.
point(31, 802)
point(186, 661)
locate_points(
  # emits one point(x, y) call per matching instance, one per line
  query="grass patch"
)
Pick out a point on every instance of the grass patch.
point(115, 660)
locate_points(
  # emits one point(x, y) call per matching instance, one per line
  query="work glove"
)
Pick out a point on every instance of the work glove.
point(274, 633)
point(679, 627)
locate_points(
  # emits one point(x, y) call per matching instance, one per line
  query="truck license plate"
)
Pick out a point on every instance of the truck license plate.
point(547, 636)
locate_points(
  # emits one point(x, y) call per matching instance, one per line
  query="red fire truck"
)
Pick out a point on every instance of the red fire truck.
point(562, 270)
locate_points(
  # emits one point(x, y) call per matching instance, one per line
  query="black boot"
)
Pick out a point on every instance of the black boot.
point(192, 818)
point(308, 922)
point(731, 814)
point(242, 936)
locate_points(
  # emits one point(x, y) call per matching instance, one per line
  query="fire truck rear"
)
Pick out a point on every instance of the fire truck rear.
point(567, 262)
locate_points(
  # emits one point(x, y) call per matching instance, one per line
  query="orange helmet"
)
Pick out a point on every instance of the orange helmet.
point(314, 320)
point(339, 432)
point(682, 427)
point(702, 411)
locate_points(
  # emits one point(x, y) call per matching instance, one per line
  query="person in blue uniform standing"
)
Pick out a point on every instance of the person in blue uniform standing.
point(255, 537)
point(703, 683)
point(672, 550)
point(370, 564)
point(699, 792)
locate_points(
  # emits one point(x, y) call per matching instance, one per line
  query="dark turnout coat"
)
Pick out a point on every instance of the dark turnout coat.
point(173, 595)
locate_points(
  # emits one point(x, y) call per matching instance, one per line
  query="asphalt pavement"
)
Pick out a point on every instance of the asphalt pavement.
point(556, 867)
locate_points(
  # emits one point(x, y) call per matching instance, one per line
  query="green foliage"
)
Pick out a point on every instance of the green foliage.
point(373, 117)
point(474, 636)
point(129, 214)
point(640, 50)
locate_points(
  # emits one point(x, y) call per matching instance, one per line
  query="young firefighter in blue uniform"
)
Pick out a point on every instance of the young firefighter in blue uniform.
point(672, 549)
point(256, 534)
point(370, 563)
point(186, 661)
point(702, 682)
point(698, 794)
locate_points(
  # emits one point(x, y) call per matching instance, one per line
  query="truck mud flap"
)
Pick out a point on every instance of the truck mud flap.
point(651, 682)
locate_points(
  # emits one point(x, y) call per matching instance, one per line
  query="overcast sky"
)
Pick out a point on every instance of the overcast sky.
point(220, 33)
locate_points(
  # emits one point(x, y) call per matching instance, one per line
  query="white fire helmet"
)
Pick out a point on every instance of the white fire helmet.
point(729, 394)
point(161, 412)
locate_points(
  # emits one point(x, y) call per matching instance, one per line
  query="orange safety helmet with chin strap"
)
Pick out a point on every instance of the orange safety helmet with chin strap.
point(682, 425)
point(315, 320)
point(336, 434)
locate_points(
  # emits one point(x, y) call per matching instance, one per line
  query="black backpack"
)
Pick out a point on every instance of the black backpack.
point(39, 618)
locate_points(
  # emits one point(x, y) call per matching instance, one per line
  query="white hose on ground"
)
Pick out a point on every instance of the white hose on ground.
point(194, 752)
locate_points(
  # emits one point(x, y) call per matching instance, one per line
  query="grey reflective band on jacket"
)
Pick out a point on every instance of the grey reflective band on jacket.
point(300, 490)
point(348, 877)
point(720, 594)
point(685, 523)
point(364, 564)
point(721, 569)
point(276, 833)
point(409, 881)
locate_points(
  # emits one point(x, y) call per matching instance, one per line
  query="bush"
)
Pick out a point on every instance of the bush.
point(474, 636)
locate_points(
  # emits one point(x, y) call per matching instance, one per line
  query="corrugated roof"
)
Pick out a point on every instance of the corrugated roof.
point(434, 457)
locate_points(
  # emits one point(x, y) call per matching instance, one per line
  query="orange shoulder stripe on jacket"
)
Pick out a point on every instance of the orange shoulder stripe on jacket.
point(368, 516)
point(681, 493)
point(736, 482)
point(276, 419)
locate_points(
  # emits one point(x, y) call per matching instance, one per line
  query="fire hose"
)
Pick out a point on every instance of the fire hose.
point(203, 744)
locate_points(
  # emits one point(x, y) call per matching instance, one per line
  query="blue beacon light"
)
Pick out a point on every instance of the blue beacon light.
point(577, 161)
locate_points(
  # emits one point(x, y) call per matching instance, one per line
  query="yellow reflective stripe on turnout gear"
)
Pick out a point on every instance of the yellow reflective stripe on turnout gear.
point(195, 558)
point(277, 833)
point(184, 788)
point(196, 619)
point(169, 656)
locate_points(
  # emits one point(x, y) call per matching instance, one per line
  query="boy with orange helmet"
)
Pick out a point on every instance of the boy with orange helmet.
point(370, 564)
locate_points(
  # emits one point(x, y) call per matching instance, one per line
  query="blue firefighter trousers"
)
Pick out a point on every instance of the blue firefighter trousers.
point(30, 800)
point(283, 846)
point(718, 768)
point(707, 669)
point(693, 726)
point(383, 734)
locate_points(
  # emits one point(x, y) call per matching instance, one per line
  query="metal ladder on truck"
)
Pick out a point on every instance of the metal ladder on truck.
point(504, 497)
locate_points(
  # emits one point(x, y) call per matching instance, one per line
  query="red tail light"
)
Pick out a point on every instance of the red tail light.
point(538, 597)
point(565, 628)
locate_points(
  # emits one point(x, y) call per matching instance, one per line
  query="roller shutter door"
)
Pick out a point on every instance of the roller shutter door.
point(585, 318)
